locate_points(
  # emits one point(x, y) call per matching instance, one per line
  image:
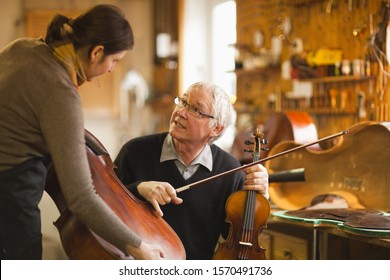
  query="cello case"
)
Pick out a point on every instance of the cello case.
point(355, 168)
point(79, 242)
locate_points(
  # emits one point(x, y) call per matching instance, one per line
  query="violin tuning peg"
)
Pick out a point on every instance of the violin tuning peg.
point(248, 142)
point(264, 141)
point(248, 151)
point(264, 149)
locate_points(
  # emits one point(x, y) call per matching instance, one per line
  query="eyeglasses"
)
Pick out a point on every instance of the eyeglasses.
point(192, 110)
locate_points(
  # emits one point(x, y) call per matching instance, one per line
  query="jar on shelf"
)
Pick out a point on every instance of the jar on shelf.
point(346, 67)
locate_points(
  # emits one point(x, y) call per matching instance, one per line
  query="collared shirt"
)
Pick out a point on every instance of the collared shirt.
point(169, 153)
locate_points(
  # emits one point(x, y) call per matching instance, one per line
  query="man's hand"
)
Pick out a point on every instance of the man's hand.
point(256, 179)
point(158, 193)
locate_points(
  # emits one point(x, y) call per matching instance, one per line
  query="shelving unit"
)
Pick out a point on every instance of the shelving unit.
point(336, 102)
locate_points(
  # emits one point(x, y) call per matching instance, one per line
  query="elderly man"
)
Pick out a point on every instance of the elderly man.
point(153, 166)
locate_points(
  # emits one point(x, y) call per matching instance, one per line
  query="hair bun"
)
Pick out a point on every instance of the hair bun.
point(70, 21)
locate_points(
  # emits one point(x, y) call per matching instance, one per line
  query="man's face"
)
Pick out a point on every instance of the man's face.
point(189, 127)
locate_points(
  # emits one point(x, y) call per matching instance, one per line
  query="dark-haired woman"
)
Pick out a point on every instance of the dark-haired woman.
point(41, 116)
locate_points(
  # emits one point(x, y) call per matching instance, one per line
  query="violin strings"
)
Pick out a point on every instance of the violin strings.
point(247, 230)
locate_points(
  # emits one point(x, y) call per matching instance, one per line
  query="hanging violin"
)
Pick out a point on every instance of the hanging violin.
point(247, 212)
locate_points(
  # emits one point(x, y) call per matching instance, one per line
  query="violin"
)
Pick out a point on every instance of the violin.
point(247, 212)
point(80, 242)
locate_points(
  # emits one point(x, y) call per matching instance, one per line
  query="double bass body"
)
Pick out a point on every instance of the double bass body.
point(80, 242)
point(355, 168)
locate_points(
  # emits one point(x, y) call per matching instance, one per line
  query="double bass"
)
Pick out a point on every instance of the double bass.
point(355, 168)
point(80, 242)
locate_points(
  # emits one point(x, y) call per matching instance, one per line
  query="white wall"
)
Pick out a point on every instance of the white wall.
point(195, 42)
point(11, 20)
point(197, 52)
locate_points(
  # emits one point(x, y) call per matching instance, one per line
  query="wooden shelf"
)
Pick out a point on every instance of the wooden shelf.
point(255, 71)
point(300, 2)
point(339, 79)
point(329, 111)
point(241, 72)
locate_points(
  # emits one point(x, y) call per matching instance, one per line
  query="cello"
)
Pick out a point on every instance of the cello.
point(79, 242)
point(247, 213)
point(290, 125)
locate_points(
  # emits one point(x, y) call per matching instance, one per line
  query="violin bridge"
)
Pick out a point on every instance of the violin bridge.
point(245, 243)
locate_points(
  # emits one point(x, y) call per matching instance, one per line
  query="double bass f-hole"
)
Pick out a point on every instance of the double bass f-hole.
point(247, 213)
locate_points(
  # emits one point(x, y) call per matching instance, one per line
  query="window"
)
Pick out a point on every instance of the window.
point(223, 35)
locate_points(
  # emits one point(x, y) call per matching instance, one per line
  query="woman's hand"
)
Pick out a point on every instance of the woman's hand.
point(145, 251)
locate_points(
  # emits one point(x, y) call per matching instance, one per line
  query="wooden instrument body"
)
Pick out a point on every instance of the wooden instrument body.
point(229, 250)
point(79, 242)
point(247, 212)
point(282, 126)
point(363, 222)
point(355, 168)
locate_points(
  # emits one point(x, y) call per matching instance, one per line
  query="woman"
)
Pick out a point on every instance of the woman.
point(41, 117)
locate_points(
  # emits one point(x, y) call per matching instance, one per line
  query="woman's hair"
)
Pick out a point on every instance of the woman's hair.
point(221, 107)
point(102, 25)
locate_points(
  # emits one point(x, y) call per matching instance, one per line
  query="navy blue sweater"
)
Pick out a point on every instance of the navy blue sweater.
point(200, 219)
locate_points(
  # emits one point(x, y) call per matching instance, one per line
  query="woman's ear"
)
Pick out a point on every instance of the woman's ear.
point(96, 54)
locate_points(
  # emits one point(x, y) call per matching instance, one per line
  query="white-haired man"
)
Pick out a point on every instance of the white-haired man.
point(153, 166)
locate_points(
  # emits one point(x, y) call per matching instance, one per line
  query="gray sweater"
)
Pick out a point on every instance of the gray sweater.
point(41, 115)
